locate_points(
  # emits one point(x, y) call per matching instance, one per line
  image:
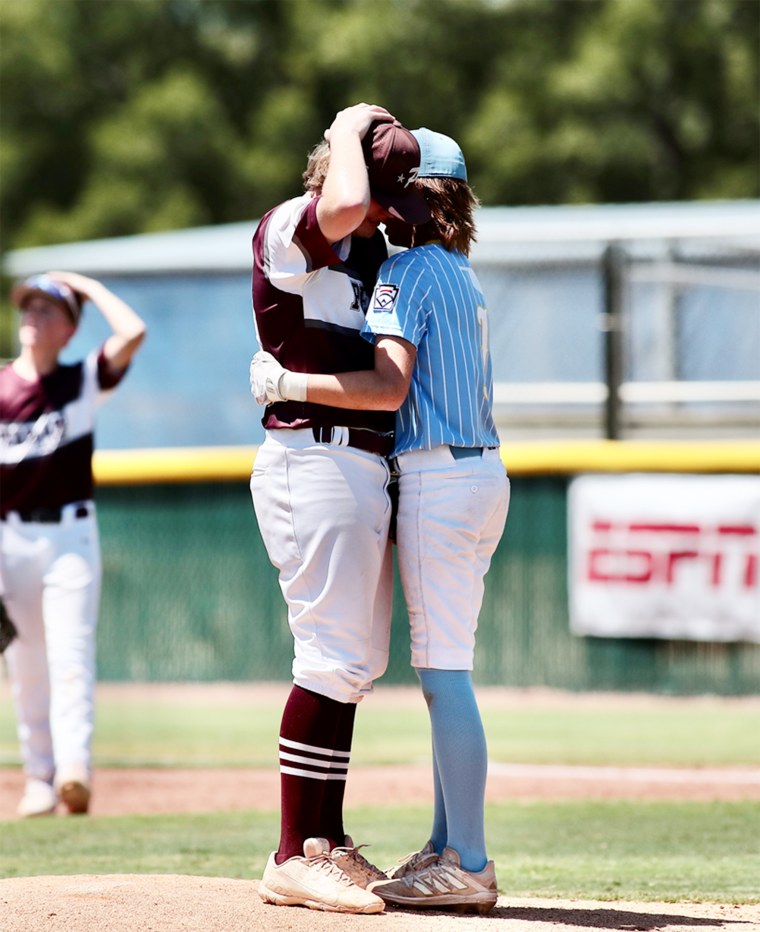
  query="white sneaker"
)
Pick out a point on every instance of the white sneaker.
point(352, 862)
point(73, 785)
point(39, 799)
point(316, 881)
point(442, 884)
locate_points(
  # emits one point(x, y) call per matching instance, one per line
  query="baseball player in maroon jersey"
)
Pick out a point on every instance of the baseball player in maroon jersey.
point(50, 567)
point(428, 321)
point(319, 488)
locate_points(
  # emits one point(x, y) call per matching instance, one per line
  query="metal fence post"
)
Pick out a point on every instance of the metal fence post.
point(612, 266)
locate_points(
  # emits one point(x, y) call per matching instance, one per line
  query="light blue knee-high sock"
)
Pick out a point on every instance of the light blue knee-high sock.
point(439, 834)
point(460, 760)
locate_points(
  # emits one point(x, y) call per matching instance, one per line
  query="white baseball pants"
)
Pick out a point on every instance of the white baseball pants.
point(323, 511)
point(52, 576)
point(452, 514)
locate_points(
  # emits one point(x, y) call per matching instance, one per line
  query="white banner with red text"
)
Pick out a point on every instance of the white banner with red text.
point(665, 556)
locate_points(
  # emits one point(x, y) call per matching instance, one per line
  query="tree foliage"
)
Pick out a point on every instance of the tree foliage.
point(125, 116)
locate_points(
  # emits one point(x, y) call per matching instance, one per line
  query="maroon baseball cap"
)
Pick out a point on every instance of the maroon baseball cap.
point(70, 300)
point(393, 160)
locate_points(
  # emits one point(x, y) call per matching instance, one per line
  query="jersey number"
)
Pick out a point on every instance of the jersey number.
point(484, 343)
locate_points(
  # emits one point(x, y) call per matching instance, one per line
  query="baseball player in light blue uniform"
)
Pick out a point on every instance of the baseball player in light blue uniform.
point(429, 324)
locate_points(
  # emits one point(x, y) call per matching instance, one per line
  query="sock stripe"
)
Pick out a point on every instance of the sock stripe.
point(310, 761)
point(312, 774)
point(312, 749)
point(325, 762)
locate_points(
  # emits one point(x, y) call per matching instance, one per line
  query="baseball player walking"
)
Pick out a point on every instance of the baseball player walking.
point(319, 488)
point(50, 564)
point(428, 322)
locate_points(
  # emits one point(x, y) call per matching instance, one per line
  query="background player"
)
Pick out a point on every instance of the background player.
point(319, 489)
point(49, 550)
point(428, 321)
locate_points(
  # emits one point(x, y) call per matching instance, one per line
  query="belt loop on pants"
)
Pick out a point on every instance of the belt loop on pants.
point(361, 438)
point(462, 453)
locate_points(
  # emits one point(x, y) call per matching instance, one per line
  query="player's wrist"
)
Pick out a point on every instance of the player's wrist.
point(293, 385)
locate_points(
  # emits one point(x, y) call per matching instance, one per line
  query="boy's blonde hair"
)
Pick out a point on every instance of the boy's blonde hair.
point(316, 167)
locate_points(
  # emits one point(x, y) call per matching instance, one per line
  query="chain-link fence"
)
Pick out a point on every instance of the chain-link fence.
point(669, 318)
point(189, 595)
point(648, 330)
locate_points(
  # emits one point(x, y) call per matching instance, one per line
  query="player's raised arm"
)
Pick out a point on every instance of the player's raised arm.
point(128, 328)
point(346, 194)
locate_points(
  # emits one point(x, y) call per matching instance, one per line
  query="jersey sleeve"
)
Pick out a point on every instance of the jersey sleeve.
point(399, 306)
point(294, 246)
point(100, 375)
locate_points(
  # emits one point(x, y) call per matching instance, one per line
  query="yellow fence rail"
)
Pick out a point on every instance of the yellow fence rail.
point(548, 457)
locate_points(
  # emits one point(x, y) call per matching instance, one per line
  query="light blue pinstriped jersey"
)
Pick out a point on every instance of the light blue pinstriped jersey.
point(432, 298)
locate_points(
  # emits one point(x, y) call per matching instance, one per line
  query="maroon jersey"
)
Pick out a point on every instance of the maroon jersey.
point(310, 298)
point(47, 433)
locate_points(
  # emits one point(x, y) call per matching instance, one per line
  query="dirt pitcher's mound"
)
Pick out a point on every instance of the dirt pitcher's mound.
point(169, 903)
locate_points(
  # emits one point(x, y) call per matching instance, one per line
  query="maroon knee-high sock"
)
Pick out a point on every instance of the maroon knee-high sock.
point(332, 802)
point(308, 756)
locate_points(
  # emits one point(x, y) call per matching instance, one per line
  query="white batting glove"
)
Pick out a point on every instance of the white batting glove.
point(272, 382)
point(265, 374)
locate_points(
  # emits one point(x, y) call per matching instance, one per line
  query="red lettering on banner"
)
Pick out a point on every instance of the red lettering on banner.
point(666, 528)
point(715, 550)
point(675, 557)
point(750, 577)
point(717, 564)
point(601, 567)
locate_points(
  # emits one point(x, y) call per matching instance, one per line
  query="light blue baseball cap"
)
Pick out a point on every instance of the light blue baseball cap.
point(441, 157)
point(57, 291)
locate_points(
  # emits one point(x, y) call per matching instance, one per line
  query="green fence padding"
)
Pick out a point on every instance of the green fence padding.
point(189, 595)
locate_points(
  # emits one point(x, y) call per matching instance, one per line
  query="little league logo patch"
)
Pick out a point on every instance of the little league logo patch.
point(385, 298)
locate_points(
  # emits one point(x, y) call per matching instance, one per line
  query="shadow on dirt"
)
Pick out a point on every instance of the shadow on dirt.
point(613, 918)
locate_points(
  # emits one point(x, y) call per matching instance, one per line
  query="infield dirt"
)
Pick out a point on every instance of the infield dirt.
point(166, 903)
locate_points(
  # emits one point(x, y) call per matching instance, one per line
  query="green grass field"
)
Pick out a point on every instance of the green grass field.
point(191, 731)
point(591, 849)
point(588, 850)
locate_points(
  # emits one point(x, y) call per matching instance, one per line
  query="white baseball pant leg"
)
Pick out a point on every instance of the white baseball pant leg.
point(52, 574)
point(452, 514)
point(323, 511)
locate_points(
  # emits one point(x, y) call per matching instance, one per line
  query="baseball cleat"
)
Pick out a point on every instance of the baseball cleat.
point(39, 799)
point(412, 862)
point(352, 862)
point(316, 881)
point(442, 884)
point(74, 790)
